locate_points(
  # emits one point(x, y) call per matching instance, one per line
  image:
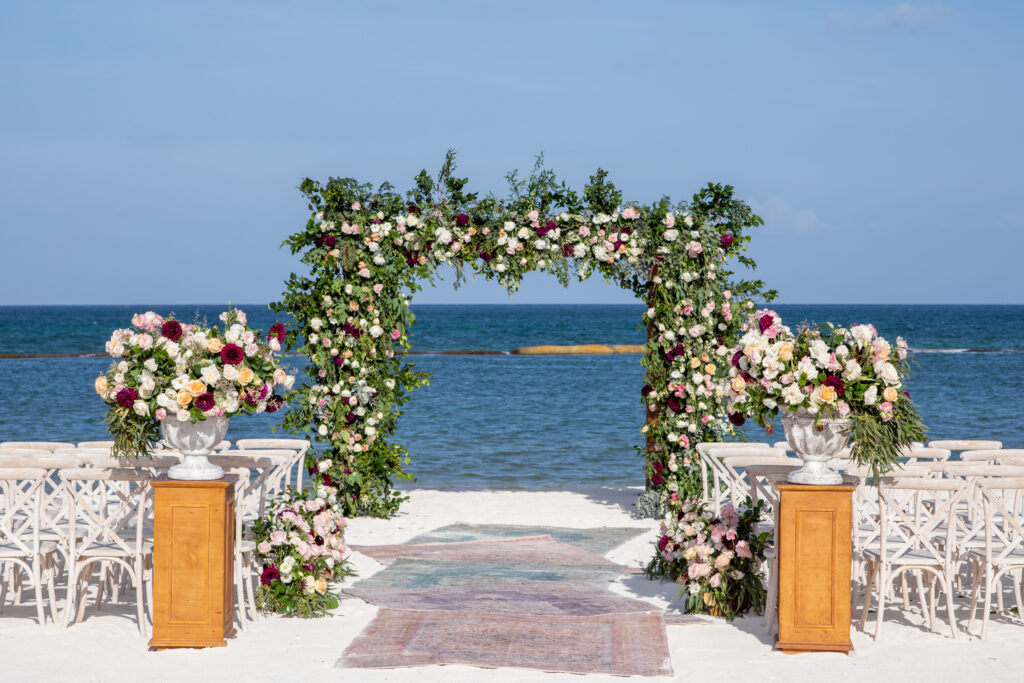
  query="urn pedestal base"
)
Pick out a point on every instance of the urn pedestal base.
point(815, 543)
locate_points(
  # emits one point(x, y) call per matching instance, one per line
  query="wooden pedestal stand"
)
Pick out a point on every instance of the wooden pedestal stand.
point(193, 559)
point(815, 541)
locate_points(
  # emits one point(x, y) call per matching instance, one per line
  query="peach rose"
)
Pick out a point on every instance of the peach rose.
point(245, 375)
point(890, 394)
point(695, 363)
point(320, 585)
point(214, 345)
point(101, 385)
point(828, 395)
point(196, 387)
point(184, 398)
point(786, 351)
point(738, 385)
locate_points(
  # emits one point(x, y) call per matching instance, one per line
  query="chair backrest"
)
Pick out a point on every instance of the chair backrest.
point(20, 502)
point(965, 445)
point(105, 460)
point(914, 454)
point(23, 450)
point(980, 469)
point(255, 474)
point(992, 454)
point(299, 446)
point(95, 444)
point(48, 461)
point(41, 445)
point(907, 525)
point(1001, 499)
point(108, 507)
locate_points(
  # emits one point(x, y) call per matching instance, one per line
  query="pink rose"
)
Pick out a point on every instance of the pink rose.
point(715, 581)
point(278, 537)
point(630, 213)
point(670, 220)
point(365, 272)
point(743, 550)
point(396, 334)
point(356, 206)
point(377, 288)
point(885, 407)
point(718, 533)
point(160, 413)
point(263, 548)
point(694, 249)
point(533, 215)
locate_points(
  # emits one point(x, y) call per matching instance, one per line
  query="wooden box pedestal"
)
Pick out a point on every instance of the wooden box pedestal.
point(815, 542)
point(193, 560)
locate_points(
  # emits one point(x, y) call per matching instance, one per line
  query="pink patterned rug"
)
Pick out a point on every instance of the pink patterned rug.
point(619, 644)
point(560, 598)
point(539, 549)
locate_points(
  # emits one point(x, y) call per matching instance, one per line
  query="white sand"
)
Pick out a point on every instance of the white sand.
point(107, 646)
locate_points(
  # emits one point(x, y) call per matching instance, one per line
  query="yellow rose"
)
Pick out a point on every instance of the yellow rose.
point(786, 351)
point(738, 385)
point(245, 375)
point(695, 363)
point(184, 398)
point(710, 368)
point(890, 394)
point(196, 387)
point(320, 585)
point(214, 345)
point(828, 394)
point(101, 385)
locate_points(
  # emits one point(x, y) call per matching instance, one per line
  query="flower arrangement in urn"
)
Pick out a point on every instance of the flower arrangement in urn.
point(841, 381)
point(166, 371)
point(714, 558)
point(301, 547)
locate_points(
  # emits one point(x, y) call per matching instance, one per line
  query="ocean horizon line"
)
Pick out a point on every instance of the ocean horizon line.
point(513, 303)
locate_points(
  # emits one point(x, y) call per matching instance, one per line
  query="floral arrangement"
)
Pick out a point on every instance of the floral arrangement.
point(366, 248)
point(168, 370)
point(301, 546)
point(715, 559)
point(830, 372)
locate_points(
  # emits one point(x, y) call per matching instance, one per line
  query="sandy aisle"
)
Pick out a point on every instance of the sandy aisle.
point(107, 647)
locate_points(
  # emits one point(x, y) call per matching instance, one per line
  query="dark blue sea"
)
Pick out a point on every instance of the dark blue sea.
point(529, 422)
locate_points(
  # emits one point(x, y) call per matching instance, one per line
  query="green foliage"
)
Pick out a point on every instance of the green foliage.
point(366, 248)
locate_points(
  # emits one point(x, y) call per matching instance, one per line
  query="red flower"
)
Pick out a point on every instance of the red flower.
point(171, 329)
point(461, 220)
point(232, 354)
point(269, 574)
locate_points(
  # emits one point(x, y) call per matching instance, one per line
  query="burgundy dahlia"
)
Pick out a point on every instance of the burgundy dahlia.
point(657, 479)
point(566, 250)
point(486, 256)
point(836, 383)
point(277, 330)
point(269, 574)
point(232, 354)
point(737, 419)
point(350, 417)
point(726, 241)
point(326, 480)
point(735, 362)
point(461, 220)
point(646, 391)
point(274, 403)
point(673, 404)
point(171, 330)
point(657, 466)
point(413, 209)
point(329, 241)
point(205, 401)
point(766, 321)
point(127, 397)
point(663, 541)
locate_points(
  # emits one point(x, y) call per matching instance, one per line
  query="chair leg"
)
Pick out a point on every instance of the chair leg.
point(37, 581)
point(240, 595)
point(975, 593)
point(84, 591)
point(948, 586)
point(51, 590)
point(869, 581)
point(925, 611)
point(140, 603)
point(986, 607)
point(883, 581)
point(4, 579)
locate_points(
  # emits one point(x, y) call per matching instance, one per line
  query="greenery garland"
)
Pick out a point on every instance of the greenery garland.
point(368, 248)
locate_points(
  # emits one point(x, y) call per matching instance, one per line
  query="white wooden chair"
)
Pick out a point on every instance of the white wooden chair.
point(914, 454)
point(907, 543)
point(712, 472)
point(1003, 551)
point(21, 547)
point(108, 512)
point(992, 454)
point(965, 445)
point(37, 445)
point(299, 446)
point(95, 444)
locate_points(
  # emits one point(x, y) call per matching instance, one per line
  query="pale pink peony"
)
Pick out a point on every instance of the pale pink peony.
point(263, 547)
point(743, 550)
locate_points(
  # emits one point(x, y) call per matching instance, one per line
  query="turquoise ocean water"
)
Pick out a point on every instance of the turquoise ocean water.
point(531, 422)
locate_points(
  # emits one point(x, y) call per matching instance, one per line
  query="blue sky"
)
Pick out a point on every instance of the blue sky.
point(150, 151)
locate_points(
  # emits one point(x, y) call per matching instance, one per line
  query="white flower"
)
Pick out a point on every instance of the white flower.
point(852, 371)
point(210, 374)
point(792, 394)
point(316, 323)
point(888, 372)
point(172, 348)
point(688, 219)
point(523, 233)
point(179, 382)
point(151, 363)
point(871, 395)
point(862, 334)
point(230, 372)
point(376, 331)
point(443, 236)
point(183, 415)
point(806, 369)
point(671, 235)
point(141, 408)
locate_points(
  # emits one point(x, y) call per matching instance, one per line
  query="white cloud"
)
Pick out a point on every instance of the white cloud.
point(904, 16)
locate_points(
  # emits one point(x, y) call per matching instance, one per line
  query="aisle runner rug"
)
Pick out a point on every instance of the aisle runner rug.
point(560, 598)
point(599, 540)
point(408, 572)
point(620, 644)
point(532, 549)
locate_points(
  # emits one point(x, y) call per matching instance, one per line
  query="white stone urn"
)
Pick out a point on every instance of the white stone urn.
point(816, 445)
point(194, 442)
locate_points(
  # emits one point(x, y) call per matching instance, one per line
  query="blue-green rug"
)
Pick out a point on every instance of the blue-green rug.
point(407, 572)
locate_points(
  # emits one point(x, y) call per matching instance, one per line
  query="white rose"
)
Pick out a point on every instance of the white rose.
point(210, 374)
point(151, 363)
point(888, 372)
point(376, 331)
point(688, 219)
point(579, 251)
point(147, 387)
point(862, 334)
point(230, 372)
point(852, 371)
point(183, 415)
point(179, 382)
point(141, 408)
point(870, 396)
point(172, 348)
point(443, 236)
point(671, 235)
point(523, 233)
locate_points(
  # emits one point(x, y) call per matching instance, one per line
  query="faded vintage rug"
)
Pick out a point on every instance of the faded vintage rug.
point(619, 644)
point(409, 572)
point(598, 540)
point(529, 549)
point(560, 598)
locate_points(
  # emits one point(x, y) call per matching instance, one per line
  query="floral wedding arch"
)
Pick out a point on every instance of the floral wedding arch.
point(367, 249)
